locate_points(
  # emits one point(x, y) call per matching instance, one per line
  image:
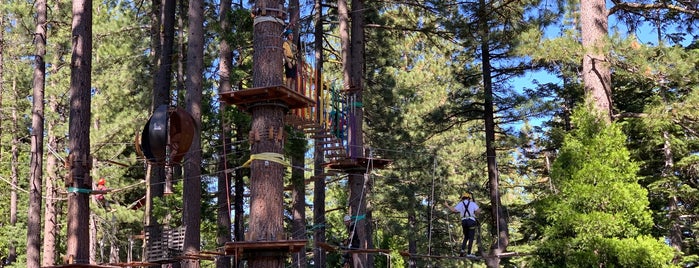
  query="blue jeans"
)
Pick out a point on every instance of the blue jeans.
point(469, 227)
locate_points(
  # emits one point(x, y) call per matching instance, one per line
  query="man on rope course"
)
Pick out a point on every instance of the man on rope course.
point(289, 59)
point(352, 241)
point(468, 210)
point(100, 191)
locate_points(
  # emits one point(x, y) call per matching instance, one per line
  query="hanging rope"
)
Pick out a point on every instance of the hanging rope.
point(225, 164)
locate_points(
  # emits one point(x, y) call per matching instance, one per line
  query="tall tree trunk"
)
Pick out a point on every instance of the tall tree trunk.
point(266, 188)
point(319, 258)
point(596, 73)
point(51, 210)
point(163, 79)
point(355, 180)
point(162, 88)
point(360, 186)
point(113, 243)
point(79, 132)
point(14, 172)
point(162, 28)
point(161, 94)
point(501, 232)
point(239, 224)
point(93, 239)
point(319, 220)
point(37, 137)
point(223, 215)
point(412, 240)
point(192, 167)
point(224, 180)
point(298, 196)
point(675, 231)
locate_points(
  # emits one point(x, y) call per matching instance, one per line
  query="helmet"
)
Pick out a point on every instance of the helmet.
point(288, 32)
point(102, 181)
point(348, 218)
point(465, 196)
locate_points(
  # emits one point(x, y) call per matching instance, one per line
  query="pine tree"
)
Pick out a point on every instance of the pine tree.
point(37, 137)
point(600, 214)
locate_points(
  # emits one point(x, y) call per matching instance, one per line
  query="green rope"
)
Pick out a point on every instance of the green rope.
point(359, 217)
point(317, 226)
point(79, 190)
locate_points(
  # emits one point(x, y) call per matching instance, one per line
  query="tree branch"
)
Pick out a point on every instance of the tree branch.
point(626, 6)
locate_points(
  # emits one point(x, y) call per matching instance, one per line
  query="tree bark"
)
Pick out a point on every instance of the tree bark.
point(239, 224)
point(499, 221)
point(298, 197)
point(266, 188)
point(412, 242)
point(223, 216)
point(675, 231)
point(192, 167)
point(79, 132)
point(319, 257)
point(14, 172)
point(37, 137)
point(360, 186)
point(51, 210)
point(596, 73)
point(224, 180)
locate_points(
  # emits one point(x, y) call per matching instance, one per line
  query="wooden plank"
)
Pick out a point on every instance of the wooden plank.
point(366, 250)
point(239, 247)
point(80, 265)
point(326, 246)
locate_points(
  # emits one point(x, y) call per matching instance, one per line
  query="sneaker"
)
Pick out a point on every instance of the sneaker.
point(470, 256)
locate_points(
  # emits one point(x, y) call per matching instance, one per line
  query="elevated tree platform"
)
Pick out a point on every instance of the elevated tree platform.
point(246, 98)
point(243, 249)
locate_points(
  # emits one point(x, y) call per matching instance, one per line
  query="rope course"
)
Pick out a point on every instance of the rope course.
point(322, 112)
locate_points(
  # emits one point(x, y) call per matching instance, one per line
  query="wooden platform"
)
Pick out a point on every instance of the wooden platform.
point(80, 265)
point(241, 248)
point(246, 98)
point(406, 254)
point(358, 163)
point(140, 264)
point(330, 248)
point(501, 256)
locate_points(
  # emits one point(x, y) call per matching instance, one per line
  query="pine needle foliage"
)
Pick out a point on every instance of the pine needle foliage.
point(599, 217)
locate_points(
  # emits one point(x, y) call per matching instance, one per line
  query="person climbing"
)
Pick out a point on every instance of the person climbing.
point(289, 59)
point(352, 242)
point(100, 191)
point(468, 210)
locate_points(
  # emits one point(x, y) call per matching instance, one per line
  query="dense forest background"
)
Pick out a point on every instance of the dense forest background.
point(488, 97)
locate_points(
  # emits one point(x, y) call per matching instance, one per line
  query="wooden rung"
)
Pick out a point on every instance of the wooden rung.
point(326, 246)
point(324, 142)
point(323, 136)
point(240, 247)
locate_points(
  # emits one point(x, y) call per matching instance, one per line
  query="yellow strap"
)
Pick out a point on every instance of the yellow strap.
point(274, 157)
